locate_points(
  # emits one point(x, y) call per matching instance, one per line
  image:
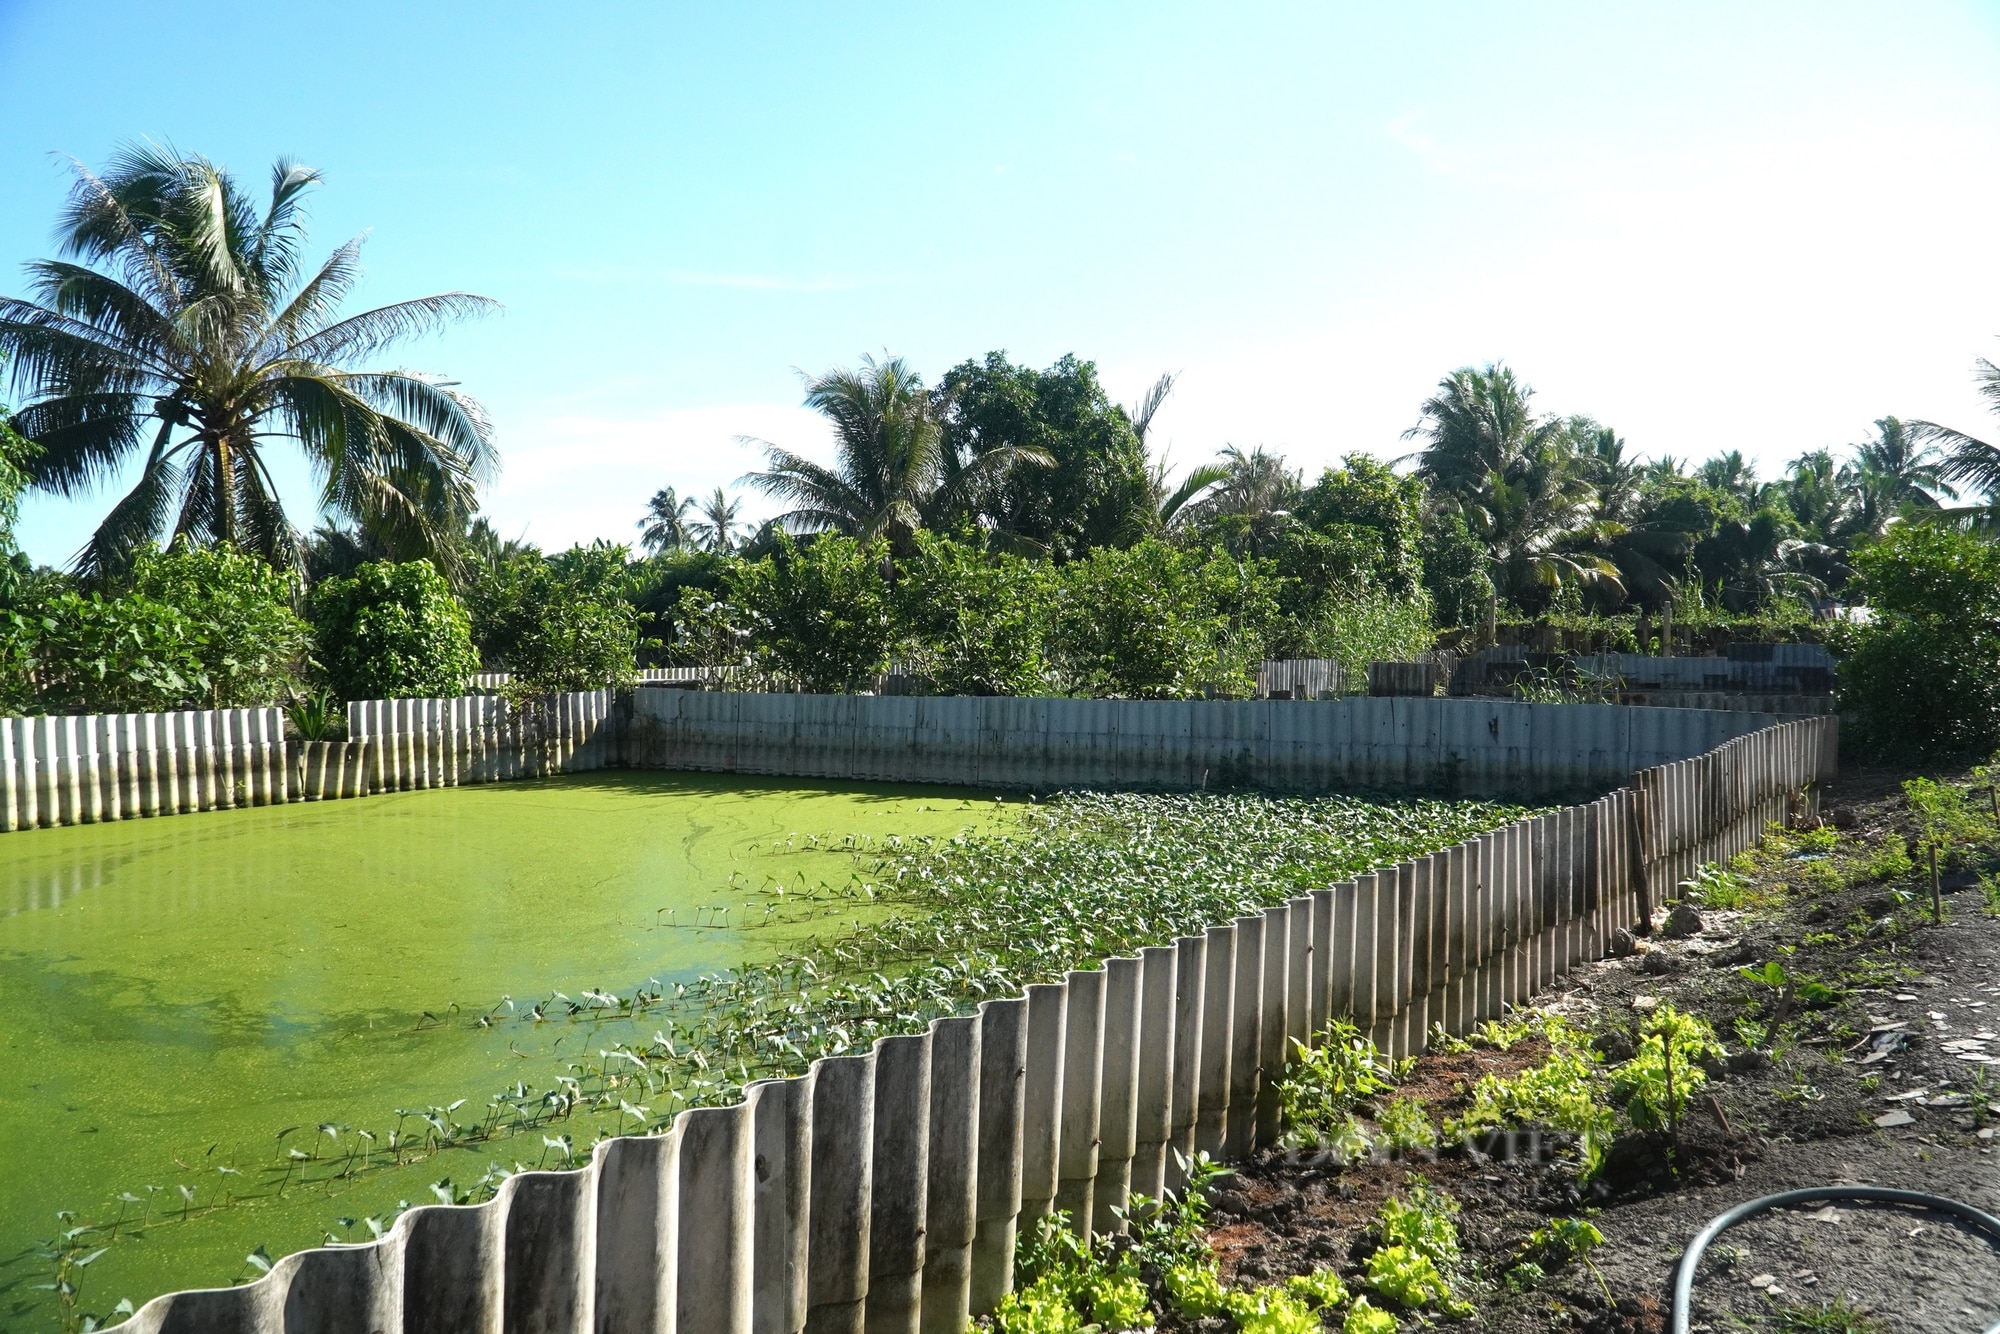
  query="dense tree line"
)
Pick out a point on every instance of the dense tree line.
point(1005, 530)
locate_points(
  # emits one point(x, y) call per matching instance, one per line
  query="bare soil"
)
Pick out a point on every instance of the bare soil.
point(1801, 1110)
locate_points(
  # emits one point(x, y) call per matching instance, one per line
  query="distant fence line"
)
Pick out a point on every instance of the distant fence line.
point(1466, 746)
point(82, 770)
point(886, 1190)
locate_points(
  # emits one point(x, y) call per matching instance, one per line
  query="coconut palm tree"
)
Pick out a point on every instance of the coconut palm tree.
point(1902, 471)
point(716, 523)
point(1734, 475)
point(665, 527)
point(1168, 500)
point(1968, 459)
point(893, 475)
point(1514, 477)
point(183, 325)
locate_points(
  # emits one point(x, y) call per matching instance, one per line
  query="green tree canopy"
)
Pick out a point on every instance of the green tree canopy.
point(1365, 496)
point(818, 612)
point(1097, 492)
point(558, 623)
point(208, 628)
point(182, 325)
point(392, 631)
point(1921, 676)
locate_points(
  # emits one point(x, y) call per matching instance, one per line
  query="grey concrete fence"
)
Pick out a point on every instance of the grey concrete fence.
point(1469, 746)
point(63, 770)
point(884, 1190)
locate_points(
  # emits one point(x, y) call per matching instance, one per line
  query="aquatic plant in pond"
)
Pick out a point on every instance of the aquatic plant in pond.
point(908, 927)
point(239, 1003)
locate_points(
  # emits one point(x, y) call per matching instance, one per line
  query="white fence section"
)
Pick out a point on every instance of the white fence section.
point(61, 770)
point(396, 745)
point(884, 1191)
point(1472, 746)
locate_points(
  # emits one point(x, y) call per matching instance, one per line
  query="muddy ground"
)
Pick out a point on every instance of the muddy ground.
point(1857, 1088)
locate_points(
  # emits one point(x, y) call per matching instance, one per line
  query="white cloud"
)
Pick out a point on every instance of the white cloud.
point(573, 478)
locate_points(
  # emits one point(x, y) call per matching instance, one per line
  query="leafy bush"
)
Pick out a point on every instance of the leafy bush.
point(558, 624)
point(818, 613)
point(1655, 1085)
point(68, 652)
point(1325, 1083)
point(1922, 675)
point(197, 629)
point(239, 614)
point(977, 622)
point(392, 631)
point(1157, 622)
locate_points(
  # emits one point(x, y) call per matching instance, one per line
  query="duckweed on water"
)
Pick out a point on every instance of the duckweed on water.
point(1063, 885)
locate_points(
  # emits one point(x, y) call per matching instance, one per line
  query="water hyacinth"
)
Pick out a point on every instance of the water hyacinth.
point(1085, 877)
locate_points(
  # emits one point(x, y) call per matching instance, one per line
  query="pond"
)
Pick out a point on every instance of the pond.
point(212, 1022)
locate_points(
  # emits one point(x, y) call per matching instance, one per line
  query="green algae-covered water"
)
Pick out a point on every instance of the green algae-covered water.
point(212, 1025)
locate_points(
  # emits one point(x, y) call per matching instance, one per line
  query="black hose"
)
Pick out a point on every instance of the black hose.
point(1691, 1257)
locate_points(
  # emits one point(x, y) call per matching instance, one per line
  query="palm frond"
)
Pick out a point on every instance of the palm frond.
point(372, 330)
point(82, 438)
point(136, 520)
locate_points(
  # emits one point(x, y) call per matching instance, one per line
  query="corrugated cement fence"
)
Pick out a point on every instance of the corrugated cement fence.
point(396, 745)
point(58, 770)
point(1470, 746)
point(884, 1191)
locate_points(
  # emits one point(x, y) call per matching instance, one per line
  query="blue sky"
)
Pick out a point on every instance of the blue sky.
point(1714, 227)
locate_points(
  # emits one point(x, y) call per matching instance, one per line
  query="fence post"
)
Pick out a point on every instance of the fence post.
point(1246, 1041)
point(843, 1140)
point(951, 1212)
point(1041, 1113)
point(1274, 1022)
point(1152, 1123)
point(713, 1288)
point(1003, 1067)
point(1118, 1089)
point(1083, 1057)
point(1190, 1006)
point(900, 1195)
point(1211, 1125)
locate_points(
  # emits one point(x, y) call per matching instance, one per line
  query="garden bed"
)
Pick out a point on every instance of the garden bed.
point(1832, 993)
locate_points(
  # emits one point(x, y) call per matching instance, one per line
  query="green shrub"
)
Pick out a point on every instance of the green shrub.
point(559, 623)
point(977, 622)
point(1326, 1082)
point(1922, 675)
point(1655, 1085)
point(242, 629)
point(200, 628)
point(1159, 622)
point(818, 612)
point(392, 631)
